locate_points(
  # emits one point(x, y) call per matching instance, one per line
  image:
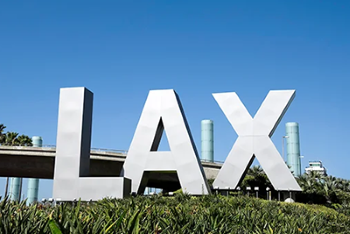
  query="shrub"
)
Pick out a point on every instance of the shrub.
point(178, 214)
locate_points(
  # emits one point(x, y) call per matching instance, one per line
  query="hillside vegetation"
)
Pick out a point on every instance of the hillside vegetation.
point(316, 189)
point(179, 214)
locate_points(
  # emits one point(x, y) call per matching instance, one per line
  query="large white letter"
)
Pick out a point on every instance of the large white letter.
point(163, 110)
point(72, 161)
point(254, 140)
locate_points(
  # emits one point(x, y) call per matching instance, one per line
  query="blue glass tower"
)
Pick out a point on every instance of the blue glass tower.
point(33, 183)
point(293, 148)
point(207, 137)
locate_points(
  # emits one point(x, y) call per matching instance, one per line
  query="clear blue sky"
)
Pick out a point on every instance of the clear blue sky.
point(122, 49)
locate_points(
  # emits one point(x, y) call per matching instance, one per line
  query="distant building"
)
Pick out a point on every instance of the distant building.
point(316, 166)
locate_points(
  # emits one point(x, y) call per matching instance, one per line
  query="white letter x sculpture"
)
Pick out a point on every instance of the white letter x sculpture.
point(254, 140)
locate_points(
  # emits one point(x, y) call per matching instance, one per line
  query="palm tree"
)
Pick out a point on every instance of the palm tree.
point(2, 141)
point(329, 188)
point(312, 188)
point(308, 183)
point(255, 170)
point(343, 184)
point(2, 135)
point(24, 140)
point(324, 189)
point(11, 139)
point(256, 177)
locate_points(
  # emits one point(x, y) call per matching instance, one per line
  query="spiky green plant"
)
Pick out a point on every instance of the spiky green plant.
point(178, 214)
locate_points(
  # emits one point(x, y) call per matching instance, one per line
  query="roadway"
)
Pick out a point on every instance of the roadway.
point(33, 162)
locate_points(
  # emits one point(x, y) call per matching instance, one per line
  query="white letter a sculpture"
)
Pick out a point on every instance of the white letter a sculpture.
point(254, 140)
point(163, 110)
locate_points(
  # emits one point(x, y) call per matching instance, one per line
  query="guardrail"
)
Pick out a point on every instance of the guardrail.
point(94, 149)
point(110, 150)
point(49, 146)
point(208, 161)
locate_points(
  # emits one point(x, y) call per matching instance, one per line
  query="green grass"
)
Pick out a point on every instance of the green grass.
point(178, 214)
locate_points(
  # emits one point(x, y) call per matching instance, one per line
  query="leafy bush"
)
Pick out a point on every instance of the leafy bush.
point(178, 214)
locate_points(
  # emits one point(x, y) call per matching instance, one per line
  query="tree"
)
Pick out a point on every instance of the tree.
point(310, 182)
point(2, 135)
point(343, 184)
point(24, 140)
point(322, 189)
point(256, 177)
point(11, 139)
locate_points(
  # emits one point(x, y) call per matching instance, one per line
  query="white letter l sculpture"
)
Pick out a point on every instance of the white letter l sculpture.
point(72, 163)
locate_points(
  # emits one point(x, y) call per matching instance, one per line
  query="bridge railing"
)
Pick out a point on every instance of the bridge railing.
point(110, 151)
point(49, 146)
point(208, 161)
point(94, 149)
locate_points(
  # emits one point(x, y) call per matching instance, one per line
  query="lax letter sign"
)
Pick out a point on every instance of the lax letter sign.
point(163, 111)
point(254, 140)
point(72, 161)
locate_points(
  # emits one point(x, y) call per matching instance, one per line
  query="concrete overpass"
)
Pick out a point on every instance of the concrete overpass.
point(32, 162)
